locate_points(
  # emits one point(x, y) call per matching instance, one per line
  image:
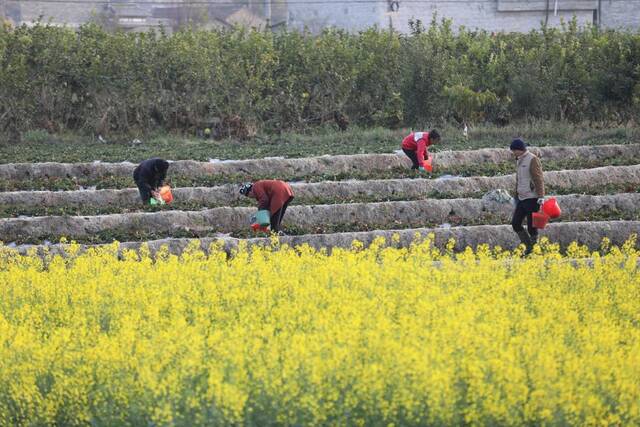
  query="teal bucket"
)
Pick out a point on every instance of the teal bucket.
point(263, 217)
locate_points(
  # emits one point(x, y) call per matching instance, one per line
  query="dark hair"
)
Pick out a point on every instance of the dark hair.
point(160, 165)
point(518, 144)
point(245, 188)
point(433, 134)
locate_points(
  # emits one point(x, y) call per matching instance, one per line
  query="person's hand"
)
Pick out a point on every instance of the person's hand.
point(155, 194)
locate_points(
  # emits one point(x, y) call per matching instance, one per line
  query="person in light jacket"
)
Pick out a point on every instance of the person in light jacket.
point(271, 194)
point(529, 194)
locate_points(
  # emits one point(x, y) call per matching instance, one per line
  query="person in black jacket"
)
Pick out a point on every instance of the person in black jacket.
point(149, 177)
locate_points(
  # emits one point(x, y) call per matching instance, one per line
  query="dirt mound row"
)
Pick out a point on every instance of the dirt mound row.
point(325, 165)
point(351, 216)
point(597, 179)
point(585, 233)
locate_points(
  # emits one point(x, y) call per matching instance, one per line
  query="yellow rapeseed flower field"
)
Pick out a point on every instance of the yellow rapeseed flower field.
point(378, 336)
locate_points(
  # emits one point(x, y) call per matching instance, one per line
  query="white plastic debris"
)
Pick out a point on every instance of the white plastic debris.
point(223, 161)
point(447, 177)
point(497, 196)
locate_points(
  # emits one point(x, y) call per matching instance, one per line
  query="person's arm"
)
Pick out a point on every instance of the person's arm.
point(145, 179)
point(420, 151)
point(261, 196)
point(537, 177)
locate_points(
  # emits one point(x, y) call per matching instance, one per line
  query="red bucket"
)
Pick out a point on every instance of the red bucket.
point(165, 193)
point(551, 208)
point(428, 163)
point(540, 220)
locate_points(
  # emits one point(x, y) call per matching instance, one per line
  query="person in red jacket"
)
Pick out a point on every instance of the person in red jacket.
point(271, 194)
point(415, 146)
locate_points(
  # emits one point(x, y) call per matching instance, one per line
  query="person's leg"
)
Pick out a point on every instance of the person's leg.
point(516, 223)
point(275, 220)
point(285, 206)
point(145, 193)
point(518, 216)
point(283, 211)
point(531, 207)
point(413, 156)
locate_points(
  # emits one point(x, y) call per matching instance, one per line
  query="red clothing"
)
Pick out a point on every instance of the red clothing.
point(271, 194)
point(419, 146)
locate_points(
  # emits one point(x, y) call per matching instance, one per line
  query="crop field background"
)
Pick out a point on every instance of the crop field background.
point(395, 297)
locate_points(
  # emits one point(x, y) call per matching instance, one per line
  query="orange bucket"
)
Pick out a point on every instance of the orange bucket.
point(540, 220)
point(428, 163)
point(165, 193)
point(551, 208)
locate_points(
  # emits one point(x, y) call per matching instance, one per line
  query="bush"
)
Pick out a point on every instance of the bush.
point(238, 82)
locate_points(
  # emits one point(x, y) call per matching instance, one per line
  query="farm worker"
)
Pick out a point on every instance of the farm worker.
point(149, 177)
point(271, 194)
point(415, 146)
point(529, 193)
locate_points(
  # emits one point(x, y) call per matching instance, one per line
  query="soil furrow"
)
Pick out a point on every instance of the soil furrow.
point(303, 219)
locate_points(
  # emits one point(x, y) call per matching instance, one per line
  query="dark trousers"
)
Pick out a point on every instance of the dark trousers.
point(145, 192)
point(525, 208)
point(413, 156)
point(276, 218)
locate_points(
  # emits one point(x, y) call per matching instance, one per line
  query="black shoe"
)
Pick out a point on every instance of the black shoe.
point(525, 239)
point(533, 240)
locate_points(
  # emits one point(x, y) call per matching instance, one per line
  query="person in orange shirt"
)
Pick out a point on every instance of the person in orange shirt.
point(415, 146)
point(271, 194)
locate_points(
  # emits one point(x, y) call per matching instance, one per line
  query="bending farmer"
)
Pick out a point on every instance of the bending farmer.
point(529, 193)
point(149, 177)
point(273, 195)
point(415, 146)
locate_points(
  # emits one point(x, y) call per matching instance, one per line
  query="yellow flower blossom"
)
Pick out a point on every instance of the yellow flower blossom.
point(359, 336)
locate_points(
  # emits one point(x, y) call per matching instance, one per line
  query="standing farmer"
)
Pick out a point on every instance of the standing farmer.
point(415, 146)
point(529, 193)
point(271, 194)
point(149, 177)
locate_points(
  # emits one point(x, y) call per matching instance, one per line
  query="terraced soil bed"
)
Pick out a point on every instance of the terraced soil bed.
point(486, 169)
point(302, 219)
point(326, 166)
point(611, 179)
point(590, 234)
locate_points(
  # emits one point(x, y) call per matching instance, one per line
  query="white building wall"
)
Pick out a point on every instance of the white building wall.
point(620, 14)
point(484, 15)
point(491, 15)
point(349, 16)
